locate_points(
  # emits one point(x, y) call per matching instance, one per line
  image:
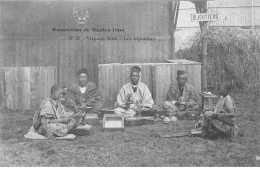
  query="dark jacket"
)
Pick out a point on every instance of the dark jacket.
point(74, 97)
point(189, 94)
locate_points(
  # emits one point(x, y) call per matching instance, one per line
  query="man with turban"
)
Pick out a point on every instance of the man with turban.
point(181, 96)
point(135, 98)
point(84, 94)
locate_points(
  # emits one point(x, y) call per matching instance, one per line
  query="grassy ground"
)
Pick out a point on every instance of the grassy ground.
point(136, 146)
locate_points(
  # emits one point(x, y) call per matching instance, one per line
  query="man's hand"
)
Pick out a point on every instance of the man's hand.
point(126, 106)
point(83, 114)
point(64, 120)
point(207, 110)
point(214, 115)
point(76, 108)
point(138, 111)
point(211, 113)
point(77, 115)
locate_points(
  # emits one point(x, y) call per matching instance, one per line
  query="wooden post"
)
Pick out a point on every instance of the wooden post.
point(173, 13)
point(204, 57)
point(2, 89)
point(2, 86)
point(201, 7)
point(204, 50)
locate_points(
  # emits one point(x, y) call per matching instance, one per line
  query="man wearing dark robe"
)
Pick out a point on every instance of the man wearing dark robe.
point(181, 96)
point(83, 95)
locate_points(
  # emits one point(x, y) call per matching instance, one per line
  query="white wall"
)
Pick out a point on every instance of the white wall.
point(232, 13)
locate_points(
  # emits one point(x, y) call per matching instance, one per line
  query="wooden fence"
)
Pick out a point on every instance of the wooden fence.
point(157, 76)
point(26, 87)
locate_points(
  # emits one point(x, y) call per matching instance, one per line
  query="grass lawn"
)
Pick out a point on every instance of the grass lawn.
point(136, 146)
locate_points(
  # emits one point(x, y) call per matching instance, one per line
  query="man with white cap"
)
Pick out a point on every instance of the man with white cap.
point(181, 96)
point(135, 97)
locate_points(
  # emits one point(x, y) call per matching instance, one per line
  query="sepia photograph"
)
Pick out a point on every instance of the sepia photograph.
point(130, 83)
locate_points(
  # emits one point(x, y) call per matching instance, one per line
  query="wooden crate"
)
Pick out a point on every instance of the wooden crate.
point(157, 76)
point(26, 87)
point(113, 122)
point(91, 119)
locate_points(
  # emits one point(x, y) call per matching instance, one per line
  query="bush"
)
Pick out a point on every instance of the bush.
point(233, 54)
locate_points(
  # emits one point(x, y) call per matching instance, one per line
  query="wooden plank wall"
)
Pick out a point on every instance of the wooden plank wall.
point(26, 87)
point(157, 76)
point(28, 39)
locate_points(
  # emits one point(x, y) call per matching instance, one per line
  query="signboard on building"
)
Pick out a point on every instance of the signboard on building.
point(205, 17)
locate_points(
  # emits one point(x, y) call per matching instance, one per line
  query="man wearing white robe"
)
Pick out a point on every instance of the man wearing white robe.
point(135, 98)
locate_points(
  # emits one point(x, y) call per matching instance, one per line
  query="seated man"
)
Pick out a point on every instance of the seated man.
point(221, 120)
point(181, 97)
point(51, 119)
point(135, 97)
point(83, 95)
